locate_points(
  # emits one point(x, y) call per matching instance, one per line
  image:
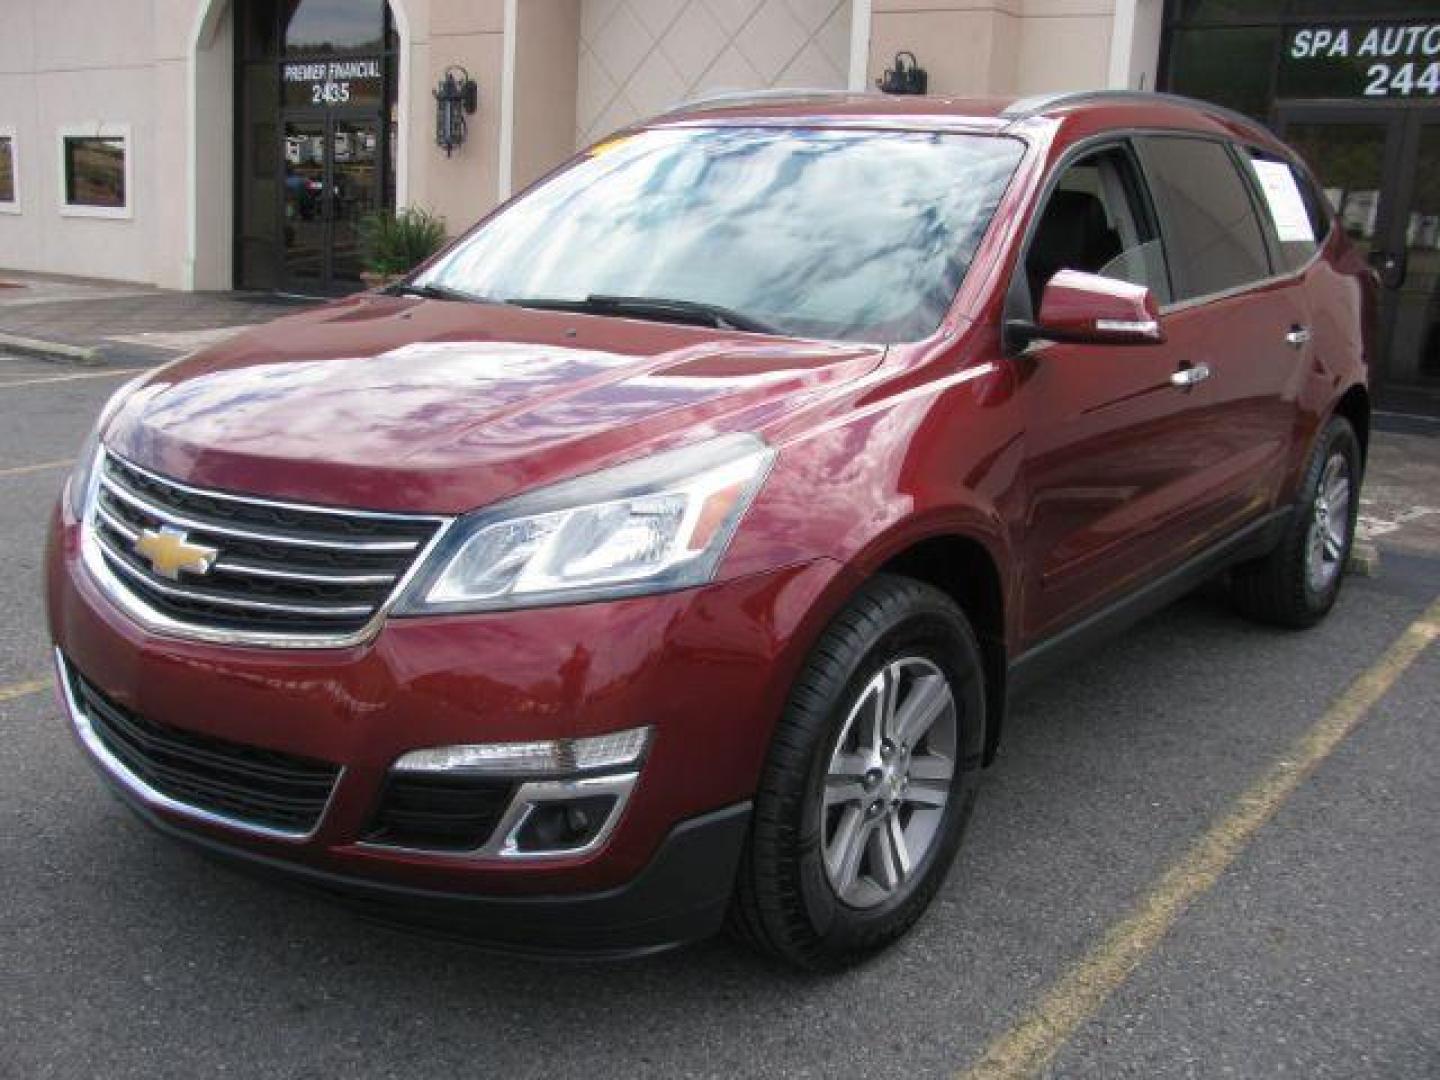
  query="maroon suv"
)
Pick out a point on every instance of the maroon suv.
point(667, 548)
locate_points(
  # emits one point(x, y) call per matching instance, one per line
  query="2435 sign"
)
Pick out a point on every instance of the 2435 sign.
point(1362, 60)
point(332, 83)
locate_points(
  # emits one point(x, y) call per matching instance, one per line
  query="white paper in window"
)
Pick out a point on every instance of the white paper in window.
point(1282, 195)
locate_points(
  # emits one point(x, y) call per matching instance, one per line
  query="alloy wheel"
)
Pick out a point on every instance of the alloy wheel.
point(1328, 542)
point(888, 782)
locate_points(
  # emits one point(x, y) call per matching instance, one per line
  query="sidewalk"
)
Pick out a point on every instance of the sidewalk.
point(126, 323)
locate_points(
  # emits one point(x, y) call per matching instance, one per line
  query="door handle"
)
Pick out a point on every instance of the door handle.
point(1187, 377)
point(1297, 337)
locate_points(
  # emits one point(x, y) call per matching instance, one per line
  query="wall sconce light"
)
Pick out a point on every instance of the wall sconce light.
point(906, 77)
point(456, 96)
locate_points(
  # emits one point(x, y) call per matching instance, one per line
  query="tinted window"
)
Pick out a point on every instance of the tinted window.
point(1213, 236)
point(1096, 221)
point(1297, 217)
point(1229, 65)
point(851, 235)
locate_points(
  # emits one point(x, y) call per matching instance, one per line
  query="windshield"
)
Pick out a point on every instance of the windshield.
point(844, 235)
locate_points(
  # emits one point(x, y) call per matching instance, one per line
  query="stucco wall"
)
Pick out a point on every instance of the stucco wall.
point(470, 33)
point(997, 47)
point(547, 53)
point(638, 57)
point(83, 64)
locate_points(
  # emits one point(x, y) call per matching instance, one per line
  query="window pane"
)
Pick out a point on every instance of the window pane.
point(1362, 8)
point(1230, 67)
point(847, 235)
point(326, 26)
point(94, 172)
point(7, 169)
point(1213, 232)
point(1232, 11)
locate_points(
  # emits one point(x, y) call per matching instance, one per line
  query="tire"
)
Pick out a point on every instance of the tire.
point(803, 893)
point(1297, 583)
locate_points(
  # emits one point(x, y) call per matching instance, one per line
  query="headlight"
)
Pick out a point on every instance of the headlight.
point(82, 478)
point(648, 526)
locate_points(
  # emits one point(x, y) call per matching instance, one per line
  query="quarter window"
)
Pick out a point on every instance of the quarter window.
point(1215, 241)
point(1296, 214)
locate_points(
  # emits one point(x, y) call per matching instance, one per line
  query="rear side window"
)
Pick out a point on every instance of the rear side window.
point(1296, 214)
point(1212, 234)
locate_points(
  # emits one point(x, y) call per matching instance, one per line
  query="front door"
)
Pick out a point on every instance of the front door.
point(1380, 168)
point(331, 181)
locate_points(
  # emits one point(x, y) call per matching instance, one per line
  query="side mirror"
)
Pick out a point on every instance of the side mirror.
point(1087, 309)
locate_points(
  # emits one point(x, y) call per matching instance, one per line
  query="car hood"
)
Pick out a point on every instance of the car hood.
point(399, 404)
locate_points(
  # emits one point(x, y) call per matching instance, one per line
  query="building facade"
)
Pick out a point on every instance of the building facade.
point(215, 144)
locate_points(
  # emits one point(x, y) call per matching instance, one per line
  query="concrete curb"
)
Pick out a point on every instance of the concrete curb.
point(84, 355)
point(1364, 559)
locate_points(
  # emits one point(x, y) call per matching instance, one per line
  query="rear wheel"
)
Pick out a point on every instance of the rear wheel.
point(870, 780)
point(1297, 583)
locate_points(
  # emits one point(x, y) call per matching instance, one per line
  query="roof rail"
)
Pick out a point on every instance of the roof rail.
point(1026, 107)
point(744, 97)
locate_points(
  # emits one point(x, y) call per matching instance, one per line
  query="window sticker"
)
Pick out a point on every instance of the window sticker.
point(1282, 195)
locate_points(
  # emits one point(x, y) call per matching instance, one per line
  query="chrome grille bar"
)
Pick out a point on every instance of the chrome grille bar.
point(123, 565)
point(230, 567)
point(184, 521)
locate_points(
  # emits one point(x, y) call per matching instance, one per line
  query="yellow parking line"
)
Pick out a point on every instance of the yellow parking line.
point(72, 378)
point(39, 466)
point(23, 689)
point(1026, 1048)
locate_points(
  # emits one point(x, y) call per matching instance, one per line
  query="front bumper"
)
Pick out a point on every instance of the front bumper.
point(707, 669)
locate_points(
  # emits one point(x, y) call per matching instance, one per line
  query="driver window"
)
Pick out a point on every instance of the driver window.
point(1095, 221)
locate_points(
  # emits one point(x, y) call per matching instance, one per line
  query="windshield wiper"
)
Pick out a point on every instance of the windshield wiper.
point(656, 308)
point(436, 292)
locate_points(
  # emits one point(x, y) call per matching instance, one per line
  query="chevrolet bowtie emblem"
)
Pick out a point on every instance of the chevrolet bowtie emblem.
point(169, 552)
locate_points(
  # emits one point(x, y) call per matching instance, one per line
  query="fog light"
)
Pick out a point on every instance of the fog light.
point(564, 826)
point(551, 757)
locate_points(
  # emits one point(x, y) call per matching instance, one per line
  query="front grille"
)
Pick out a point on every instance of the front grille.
point(280, 568)
point(437, 812)
point(247, 784)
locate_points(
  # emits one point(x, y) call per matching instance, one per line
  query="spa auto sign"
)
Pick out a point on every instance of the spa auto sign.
point(1360, 60)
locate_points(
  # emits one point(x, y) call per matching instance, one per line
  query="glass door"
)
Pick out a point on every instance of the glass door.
point(1380, 168)
point(355, 175)
point(332, 180)
point(1412, 377)
point(306, 212)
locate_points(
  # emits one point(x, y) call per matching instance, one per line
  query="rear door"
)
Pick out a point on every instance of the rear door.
point(1239, 313)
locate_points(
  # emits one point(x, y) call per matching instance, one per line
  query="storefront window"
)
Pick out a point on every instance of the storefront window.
point(1232, 11)
point(332, 26)
point(94, 171)
point(1230, 66)
point(1361, 8)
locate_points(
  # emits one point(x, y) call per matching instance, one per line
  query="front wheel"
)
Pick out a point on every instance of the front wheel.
point(1297, 583)
point(869, 782)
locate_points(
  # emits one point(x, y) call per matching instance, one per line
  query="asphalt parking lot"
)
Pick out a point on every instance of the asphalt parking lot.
point(1155, 884)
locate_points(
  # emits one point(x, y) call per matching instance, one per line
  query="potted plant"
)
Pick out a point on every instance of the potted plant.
point(394, 243)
